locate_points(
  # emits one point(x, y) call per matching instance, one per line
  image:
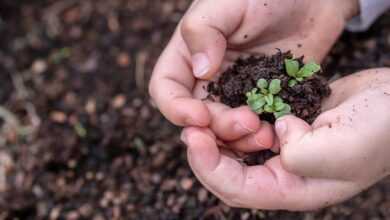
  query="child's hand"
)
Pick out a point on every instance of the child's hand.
point(214, 33)
point(350, 141)
point(345, 151)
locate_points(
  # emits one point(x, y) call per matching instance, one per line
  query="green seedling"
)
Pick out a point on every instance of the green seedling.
point(300, 74)
point(264, 98)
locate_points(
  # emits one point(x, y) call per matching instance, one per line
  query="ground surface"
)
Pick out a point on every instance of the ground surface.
point(83, 142)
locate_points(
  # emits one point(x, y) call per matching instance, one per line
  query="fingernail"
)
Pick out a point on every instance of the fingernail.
point(238, 127)
point(200, 64)
point(183, 137)
point(281, 127)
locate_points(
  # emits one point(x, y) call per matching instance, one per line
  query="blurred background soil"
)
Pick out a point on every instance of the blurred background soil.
point(79, 138)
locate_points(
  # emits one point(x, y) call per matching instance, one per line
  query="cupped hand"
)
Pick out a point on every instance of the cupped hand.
point(214, 33)
point(345, 151)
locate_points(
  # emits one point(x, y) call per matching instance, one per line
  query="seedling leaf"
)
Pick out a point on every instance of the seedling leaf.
point(257, 104)
point(269, 99)
point(259, 111)
point(262, 84)
point(285, 111)
point(275, 86)
point(278, 104)
point(292, 82)
point(292, 67)
point(308, 70)
point(268, 108)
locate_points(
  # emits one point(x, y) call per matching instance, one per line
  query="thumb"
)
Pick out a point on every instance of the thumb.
point(311, 151)
point(291, 131)
point(205, 30)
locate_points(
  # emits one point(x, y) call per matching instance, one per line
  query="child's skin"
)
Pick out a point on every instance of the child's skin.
point(343, 152)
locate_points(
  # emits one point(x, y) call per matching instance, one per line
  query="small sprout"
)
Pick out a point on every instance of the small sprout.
point(300, 74)
point(267, 100)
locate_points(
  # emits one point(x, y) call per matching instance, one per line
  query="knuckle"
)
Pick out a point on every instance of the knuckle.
point(188, 26)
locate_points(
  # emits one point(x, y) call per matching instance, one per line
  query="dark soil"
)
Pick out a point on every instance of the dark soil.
point(95, 147)
point(304, 98)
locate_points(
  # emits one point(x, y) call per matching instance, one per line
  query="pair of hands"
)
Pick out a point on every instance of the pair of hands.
point(343, 152)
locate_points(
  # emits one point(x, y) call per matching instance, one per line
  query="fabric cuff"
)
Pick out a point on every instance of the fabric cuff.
point(370, 10)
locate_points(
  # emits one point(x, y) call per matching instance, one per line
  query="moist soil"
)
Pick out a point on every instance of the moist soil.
point(95, 147)
point(304, 98)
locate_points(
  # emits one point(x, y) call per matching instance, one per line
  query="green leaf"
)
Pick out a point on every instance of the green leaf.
point(262, 84)
point(259, 111)
point(269, 99)
point(264, 91)
point(285, 111)
point(279, 104)
point(277, 99)
point(252, 94)
point(292, 67)
point(275, 86)
point(308, 70)
point(299, 79)
point(268, 108)
point(257, 104)
point(292, 82)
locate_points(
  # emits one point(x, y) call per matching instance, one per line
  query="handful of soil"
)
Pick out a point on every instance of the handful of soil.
point(304, 97)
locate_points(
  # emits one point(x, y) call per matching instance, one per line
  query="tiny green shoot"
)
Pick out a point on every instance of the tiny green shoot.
point(299, 74)
point(264, 98)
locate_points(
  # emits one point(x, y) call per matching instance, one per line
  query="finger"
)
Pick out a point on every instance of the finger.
point(232, 123)
point(260, 187)
point(205, 29)
point(171, 87)
point(261, 140)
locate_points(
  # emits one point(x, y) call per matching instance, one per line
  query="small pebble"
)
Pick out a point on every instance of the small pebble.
point(123, 59)
point(39, 66)
point(186, 183)
point(90, 106)
point(119, 101)
point(58, 117)
point(73, 215)
point(202, 195)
